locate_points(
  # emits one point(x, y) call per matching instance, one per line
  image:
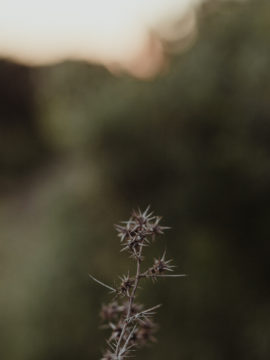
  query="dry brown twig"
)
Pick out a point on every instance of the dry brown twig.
point(130, 324)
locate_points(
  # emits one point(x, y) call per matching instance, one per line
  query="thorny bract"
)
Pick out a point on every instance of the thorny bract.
point(131, 325)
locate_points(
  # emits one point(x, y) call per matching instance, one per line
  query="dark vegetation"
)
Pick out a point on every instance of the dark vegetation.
point(80, 147)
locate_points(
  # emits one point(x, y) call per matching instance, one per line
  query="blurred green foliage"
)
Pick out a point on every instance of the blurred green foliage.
point(80, 148)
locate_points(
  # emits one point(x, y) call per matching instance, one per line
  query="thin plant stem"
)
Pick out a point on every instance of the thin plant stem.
point(131, 300)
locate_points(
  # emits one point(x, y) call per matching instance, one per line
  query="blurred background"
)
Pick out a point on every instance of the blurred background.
point(80, 147)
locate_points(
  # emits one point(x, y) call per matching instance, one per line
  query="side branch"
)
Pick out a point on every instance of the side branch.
point(102, 284)
point(161, 275)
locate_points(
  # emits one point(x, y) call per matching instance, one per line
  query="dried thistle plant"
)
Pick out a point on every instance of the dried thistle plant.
point(131, 325)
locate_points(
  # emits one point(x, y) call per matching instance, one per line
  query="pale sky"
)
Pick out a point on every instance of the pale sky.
point(107, 31)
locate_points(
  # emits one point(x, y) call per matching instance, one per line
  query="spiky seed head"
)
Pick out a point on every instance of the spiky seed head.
point(110, 311)
point(116, 330)
point(146, 332)
point(161, 265)
point(126, 285)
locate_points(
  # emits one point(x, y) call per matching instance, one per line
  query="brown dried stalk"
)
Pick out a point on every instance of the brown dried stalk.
point(131, 326)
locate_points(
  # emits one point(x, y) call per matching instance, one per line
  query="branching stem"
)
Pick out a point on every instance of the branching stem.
point(131, 324)
point(131, 300)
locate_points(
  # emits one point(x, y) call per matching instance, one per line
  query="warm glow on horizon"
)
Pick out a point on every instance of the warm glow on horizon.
point(118, 33)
